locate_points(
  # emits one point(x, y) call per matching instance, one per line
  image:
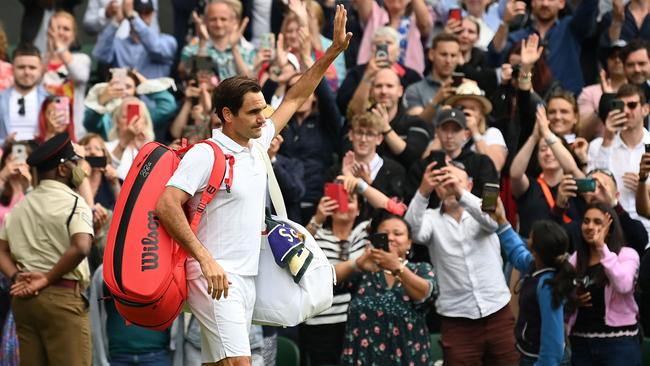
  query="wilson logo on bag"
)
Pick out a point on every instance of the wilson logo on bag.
point(144, 268)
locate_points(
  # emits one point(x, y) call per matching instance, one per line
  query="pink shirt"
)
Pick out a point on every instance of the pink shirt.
point(621, 269)
point(414, 57)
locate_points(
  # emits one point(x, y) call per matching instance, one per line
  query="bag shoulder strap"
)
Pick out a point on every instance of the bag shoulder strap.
point(549, 197)
point(274, 188)
point(214, 182)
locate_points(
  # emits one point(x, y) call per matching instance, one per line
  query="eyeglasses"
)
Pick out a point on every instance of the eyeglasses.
point(21, 104)
point(368, 134)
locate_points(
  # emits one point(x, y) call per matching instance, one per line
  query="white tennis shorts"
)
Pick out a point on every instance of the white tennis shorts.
point(225, 323)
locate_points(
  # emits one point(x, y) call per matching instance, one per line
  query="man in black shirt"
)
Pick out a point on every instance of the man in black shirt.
point(405, 136)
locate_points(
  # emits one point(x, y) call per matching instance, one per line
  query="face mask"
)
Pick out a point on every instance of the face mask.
point(78, 176)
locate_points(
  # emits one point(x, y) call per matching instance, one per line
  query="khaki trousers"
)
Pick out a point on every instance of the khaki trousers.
point(53, 328)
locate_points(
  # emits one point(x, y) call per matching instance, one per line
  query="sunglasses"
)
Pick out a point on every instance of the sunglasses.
point(632, 105)
point(602, 171)
point(21, 104)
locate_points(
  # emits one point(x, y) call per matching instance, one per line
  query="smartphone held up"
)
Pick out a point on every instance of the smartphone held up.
point(337, 192)
point(132, 112)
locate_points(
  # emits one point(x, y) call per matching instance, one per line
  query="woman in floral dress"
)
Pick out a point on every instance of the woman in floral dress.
point(390, 296)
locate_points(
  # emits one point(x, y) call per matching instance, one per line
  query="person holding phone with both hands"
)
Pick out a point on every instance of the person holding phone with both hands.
point(477, 322)
point(386, 322)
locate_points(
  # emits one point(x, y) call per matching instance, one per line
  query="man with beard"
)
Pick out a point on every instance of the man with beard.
point(20, 104)
point(636, 62)
point(424, 97)
point(405, 136)
point(44, 242)
point(561, 38)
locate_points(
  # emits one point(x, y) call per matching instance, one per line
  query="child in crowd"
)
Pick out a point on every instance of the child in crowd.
point(544, 290)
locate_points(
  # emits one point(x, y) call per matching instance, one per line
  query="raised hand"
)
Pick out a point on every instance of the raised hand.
point(341, 38)
point(299, 8)
point(430, 179)
point(513, 8)
point(605, 82)
point(326, 207)
point(530, 51)
point(348, 162)
point(567, 190)
point(453, 26)
point(380, 111)
point(236, 36)
point(280, 52)
point(644, 167)
point(199, 27)
point(542, 121)
point(349, 182)
point(615, 121)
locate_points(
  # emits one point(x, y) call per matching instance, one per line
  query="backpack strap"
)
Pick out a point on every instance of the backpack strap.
point(216, 177)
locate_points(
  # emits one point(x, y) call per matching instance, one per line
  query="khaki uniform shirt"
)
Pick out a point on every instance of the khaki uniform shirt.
point(40, 227)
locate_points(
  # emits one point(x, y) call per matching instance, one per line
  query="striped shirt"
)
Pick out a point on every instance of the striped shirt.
point(338, 251)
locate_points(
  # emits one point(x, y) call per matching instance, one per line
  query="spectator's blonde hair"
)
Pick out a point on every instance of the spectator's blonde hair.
point(235, 5)
point(70, 17)
point(95, 136)
point(366, 120)
point(474, 20)
point(316, 11)
point(4, 44)
point(144, 112)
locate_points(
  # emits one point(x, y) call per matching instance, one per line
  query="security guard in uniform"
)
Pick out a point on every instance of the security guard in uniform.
point(44, 242)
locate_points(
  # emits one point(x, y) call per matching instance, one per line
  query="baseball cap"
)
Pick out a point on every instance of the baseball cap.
point(451, 115)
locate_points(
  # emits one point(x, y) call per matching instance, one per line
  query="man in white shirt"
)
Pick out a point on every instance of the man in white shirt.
point(225, 250)
point(20, 104)
point(477, 323)
point(622, 145)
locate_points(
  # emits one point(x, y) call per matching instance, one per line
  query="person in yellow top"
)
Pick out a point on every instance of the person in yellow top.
point(44, 242)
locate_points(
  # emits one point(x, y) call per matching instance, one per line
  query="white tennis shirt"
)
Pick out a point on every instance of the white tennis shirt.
point(232, 223)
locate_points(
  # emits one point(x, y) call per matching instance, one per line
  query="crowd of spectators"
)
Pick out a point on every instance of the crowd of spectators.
point(433, 101)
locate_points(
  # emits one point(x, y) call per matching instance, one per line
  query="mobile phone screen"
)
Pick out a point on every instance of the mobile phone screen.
point(490, 196)
point(586, 185)
point(62, 105)
point(96, 161)
point(455, 14)
point(337, 192)
point(380, 241)
point(132, 111)
point(19, 152)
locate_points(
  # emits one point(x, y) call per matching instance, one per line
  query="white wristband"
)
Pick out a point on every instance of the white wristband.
point(361, 186)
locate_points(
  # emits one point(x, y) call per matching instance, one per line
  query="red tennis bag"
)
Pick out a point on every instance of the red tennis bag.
point(144, 268)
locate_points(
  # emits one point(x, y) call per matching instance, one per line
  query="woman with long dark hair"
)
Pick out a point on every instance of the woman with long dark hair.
point(544, 290)
point(604, 330)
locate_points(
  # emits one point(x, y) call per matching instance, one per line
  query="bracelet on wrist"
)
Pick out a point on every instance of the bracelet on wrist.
point(477, 137)
point(387, 131)
point(551, 139)
point(314, 224)
point(362, 185)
